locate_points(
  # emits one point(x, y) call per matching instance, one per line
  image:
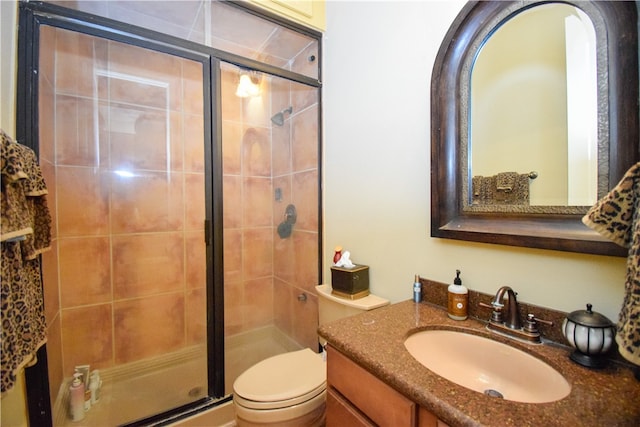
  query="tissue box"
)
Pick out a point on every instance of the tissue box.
point(352, 283)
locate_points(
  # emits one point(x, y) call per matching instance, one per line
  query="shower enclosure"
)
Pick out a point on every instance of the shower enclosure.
point(170, 185)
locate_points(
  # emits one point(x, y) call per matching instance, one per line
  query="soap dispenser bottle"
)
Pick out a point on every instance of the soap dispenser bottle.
point(458, 299)
point(417, 289)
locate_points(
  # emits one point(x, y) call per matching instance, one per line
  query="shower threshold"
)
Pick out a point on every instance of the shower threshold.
point(140, 389)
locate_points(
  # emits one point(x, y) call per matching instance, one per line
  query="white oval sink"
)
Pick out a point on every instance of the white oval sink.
point(487, 366)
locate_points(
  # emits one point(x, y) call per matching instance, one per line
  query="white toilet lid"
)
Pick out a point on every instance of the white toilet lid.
point(282, 380)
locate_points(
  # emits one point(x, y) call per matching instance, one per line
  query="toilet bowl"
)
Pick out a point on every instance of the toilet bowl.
point(284, 390)
point(289, 390)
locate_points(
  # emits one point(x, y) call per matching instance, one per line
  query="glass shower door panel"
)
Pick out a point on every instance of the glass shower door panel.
point(122, 147)
point(270, 167)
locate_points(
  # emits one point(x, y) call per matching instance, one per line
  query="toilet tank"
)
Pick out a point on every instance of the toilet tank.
point(331, 307)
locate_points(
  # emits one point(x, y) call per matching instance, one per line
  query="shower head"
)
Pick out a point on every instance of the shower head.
point(278, 118)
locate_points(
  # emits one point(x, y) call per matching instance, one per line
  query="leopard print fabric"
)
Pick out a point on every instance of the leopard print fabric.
point(15, 213)
point(25, 233)
point(617, 217)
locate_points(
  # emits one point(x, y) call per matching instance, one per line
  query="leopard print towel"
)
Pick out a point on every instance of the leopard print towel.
point(25, 232)
point(617, 217)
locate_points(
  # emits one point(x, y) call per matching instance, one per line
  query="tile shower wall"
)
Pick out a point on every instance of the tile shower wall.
point(126, 279)
point(264, 274)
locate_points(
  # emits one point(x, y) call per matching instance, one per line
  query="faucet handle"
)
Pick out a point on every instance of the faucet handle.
point(494, 305)
point(531, 325)
point(537, 319)
point(496, 314)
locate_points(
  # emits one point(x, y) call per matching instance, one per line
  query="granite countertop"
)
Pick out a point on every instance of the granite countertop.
point(375, 340)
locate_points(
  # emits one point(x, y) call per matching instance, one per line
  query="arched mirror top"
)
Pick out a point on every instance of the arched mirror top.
point(457, 210)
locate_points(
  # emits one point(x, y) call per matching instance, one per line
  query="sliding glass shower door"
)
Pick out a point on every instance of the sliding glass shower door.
point(122, 147)
point(142, 131)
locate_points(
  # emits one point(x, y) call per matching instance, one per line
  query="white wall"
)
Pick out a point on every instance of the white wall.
point(378, 58)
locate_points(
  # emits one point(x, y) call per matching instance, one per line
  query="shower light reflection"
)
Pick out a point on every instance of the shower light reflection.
point(124, 173)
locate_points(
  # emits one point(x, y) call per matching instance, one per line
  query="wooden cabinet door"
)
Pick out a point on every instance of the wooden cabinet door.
point(378, 401)
point(341, 413)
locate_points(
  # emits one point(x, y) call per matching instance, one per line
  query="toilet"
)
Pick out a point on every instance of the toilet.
point(289, 389)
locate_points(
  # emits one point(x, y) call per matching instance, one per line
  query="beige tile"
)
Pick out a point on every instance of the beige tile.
point(196, 259)
point(232, 255)
point(232, 207)
point(305, 198)
point(152, 82)
point(231, 104)
point(256, 152)
point(282, 306)
point(233, 307)
point(196, 313)
point(76, 51)
point(147, 201)
point(76, 143)
point(257, 198)
point(83, 201)
point(133, 91)
point(151, 263)
point(303, 65)
point(195, 201)
point(306, 260)
point(193, 87)
point(231, 145)
point(257, 252)
point(284, 41)
point(303, 96)
point(304, 136)
point(169, 17)
point(284, 267)
point(177, 141)
point(255, 111)
point(280, 90)
point(138, 138)
point(85, 271)
point(194, 143)
point(281, 151)
point(46, 121)
point(284, 184)
point(272, 59)
point(258, 297)
point(54, 358)
point(86, 337)
point(148, 327)
point(305, 314)
point(46, 61)
point(147, 264)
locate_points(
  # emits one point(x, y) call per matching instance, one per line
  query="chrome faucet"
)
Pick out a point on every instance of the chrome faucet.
point(512, 325)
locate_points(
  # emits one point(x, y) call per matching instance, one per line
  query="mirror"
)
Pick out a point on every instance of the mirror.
point(533, 108)
point(552, 222)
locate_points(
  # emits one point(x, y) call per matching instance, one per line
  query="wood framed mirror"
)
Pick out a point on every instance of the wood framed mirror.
point(551, 227)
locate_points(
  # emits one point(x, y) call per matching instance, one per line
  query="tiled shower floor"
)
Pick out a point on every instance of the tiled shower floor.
point(126, 398)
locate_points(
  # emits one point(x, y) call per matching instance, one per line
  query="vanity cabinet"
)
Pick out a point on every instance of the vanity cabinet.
point(355, 397)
